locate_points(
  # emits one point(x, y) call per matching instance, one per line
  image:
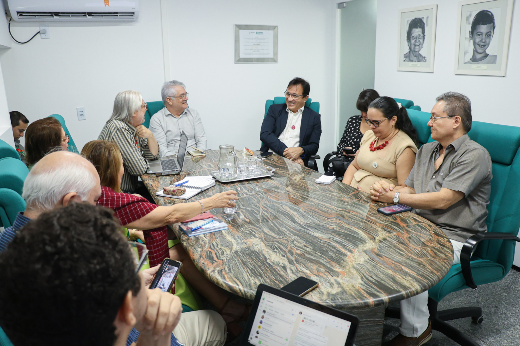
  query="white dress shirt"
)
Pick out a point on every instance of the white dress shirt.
point(291, 134)
point(167, 128)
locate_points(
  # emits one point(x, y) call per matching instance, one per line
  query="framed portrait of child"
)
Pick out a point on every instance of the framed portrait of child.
point(483, 37)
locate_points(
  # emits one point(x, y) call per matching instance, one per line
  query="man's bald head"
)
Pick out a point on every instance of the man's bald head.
point(59, 178)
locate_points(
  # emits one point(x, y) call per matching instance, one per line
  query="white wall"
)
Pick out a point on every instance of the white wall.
point(492, 98)
point(231, 97)
point(86, 65)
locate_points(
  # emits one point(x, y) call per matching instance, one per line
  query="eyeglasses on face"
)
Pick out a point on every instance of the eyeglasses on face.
point(180, 97)
point(294, 96)
point(374, 123)
point(434, 119)
point(144, 105)
point(66, 139)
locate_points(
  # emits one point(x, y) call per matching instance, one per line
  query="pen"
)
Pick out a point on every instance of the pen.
point(194, 147)
point(204, 224)
point(180, 184)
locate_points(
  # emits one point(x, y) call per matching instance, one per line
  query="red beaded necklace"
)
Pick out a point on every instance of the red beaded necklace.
point(382, 145)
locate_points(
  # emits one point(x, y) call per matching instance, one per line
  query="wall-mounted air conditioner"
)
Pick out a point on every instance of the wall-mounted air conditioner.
point(73, 10)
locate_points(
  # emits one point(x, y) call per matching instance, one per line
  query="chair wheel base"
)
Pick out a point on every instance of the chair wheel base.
point(477, 320)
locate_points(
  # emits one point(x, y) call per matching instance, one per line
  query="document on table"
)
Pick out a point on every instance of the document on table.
point(256, 44)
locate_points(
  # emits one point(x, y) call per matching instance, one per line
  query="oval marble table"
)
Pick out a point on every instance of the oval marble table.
point(288, 226)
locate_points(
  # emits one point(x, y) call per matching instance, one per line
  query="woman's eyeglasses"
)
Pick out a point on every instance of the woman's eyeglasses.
point(374, 123)
point(66, 139)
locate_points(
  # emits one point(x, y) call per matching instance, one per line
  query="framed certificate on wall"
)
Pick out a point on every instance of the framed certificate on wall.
point(256, 44)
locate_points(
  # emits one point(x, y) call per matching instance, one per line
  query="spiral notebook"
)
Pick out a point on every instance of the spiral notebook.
point(193, 186)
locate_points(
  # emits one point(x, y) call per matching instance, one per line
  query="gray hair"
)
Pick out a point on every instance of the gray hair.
point(125, 105)
point(44, 190)
point(168, 90)
point(457, 104)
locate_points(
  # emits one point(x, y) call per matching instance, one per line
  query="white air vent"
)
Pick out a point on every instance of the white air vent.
point(73, 10)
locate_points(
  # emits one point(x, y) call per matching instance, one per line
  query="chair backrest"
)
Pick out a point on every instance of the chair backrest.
point(153, 107)
point(10, 204)
point(419, 121)
point(503, 144)
point(404, 102)
point(315, 106)
point(8, 151)
point(72, 146)
point(12, 174)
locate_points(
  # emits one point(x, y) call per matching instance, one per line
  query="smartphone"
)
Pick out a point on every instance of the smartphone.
point(266, 154)
point(348, 151)
point(394, 209)
point(166, 275)
point(300, 286)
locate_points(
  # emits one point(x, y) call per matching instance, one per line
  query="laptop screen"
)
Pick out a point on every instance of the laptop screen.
point(279, 321)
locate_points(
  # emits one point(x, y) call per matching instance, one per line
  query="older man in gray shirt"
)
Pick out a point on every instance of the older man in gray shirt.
point(167, 124)
point(449, 185)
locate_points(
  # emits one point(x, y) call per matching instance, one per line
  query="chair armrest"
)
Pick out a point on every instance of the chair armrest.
point(312, 164)
point(470, 245)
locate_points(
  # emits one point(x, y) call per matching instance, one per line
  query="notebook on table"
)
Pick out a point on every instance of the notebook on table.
point(281, 318)
point(171, 164)
point(193, 186)
point(199, 227)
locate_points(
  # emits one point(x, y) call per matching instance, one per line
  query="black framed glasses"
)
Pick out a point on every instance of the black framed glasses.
point(144, 105)
point(294, 96)
point(374, 123)
point(140, 253)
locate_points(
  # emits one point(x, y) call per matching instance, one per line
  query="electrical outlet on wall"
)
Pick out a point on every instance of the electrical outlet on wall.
point(44, 31)
point(81, 113)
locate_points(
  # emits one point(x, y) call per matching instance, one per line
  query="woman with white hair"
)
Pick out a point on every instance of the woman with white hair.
point(136, 143)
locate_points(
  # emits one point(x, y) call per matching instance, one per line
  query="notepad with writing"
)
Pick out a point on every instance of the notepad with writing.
point(193, 186)
point(199, 227)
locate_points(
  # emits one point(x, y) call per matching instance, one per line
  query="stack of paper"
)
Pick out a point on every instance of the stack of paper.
point(325, 179)
point(193, 186)
point(194, 228)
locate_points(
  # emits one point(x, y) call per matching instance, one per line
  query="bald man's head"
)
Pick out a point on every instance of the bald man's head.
point(58, 179)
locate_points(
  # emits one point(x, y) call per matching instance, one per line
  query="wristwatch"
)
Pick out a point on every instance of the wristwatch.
point(396, 198)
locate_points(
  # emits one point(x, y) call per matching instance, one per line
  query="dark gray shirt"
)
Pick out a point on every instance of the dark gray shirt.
point(466, 168)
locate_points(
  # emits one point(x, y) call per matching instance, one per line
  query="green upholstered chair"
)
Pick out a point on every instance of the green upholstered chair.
point(8, 151)
point(414, 107)
point(315, 106)
point(4, 340)
point(10, 204)
point(72, 146)
point(12, 174)
point(153, 107)
point(493, 250)
point(404, 102)
point(419, 121)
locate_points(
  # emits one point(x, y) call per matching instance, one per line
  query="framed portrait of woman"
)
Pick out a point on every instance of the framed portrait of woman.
point(417, 27)
point(483, 37)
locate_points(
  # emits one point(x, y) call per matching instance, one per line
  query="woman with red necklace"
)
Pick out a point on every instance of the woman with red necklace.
point(387, 150)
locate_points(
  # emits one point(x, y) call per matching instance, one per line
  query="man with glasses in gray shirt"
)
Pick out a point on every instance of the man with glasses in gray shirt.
point(167, 124)
point(449, 185)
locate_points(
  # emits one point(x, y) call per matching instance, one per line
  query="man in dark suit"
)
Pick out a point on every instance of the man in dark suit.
point(291, 129)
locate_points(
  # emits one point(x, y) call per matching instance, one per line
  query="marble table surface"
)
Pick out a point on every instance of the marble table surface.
point(288, 226)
